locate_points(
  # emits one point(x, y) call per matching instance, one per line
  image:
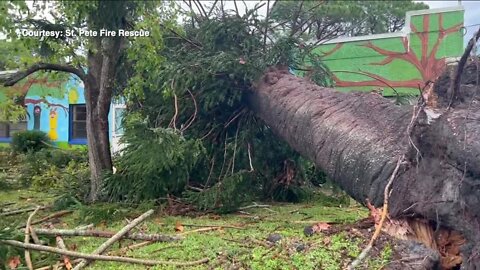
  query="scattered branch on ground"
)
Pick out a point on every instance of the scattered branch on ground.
point(52, 216)
point(213, 225)
point(115, 238)
point(28, 260)
point(255, 205)
point(201, 230)
point(61, 245)
point(98, 257)
point(49, 267)
point(84, 227)
point(21, 211)
point(107, 234)
point(455, 84)
point(131, 247)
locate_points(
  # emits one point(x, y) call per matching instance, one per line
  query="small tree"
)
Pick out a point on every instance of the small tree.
point(94, 59)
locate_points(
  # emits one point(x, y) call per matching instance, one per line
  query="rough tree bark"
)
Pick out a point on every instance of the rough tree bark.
point(357, 138)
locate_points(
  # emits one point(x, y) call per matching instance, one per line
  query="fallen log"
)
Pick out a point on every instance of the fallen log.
point(107, 234)
point(356, 138)
point(103, 247)
point(99, 257)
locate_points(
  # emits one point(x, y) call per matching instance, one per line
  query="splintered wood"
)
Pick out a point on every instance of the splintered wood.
point(446, 242)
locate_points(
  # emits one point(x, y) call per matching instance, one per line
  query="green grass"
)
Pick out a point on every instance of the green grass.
point(227, 248)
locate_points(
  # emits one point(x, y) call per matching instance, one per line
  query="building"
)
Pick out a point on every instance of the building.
point(403, 60)
point(56, 106)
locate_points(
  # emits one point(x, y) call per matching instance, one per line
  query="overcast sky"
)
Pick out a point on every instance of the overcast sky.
point(472, 11)
point(472, 14)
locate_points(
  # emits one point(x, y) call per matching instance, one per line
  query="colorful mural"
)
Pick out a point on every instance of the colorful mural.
point(404, 61)
point(48, 100)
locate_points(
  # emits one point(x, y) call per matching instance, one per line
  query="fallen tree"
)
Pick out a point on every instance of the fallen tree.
point(357, 139)
point(203, 94)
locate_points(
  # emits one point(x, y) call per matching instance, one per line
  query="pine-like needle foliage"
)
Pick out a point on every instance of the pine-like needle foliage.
point(196, 102)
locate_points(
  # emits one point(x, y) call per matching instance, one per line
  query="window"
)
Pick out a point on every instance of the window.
point(78, 124)
point(7, 129)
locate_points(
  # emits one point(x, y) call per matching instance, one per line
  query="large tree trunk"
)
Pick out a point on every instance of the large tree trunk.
point(357, 139)
point(99, 85)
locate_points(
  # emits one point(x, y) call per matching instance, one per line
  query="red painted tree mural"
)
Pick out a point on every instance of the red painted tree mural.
point(427, 63)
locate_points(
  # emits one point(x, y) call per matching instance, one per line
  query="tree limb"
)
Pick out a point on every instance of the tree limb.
point(455, 86)
point(115, 238)
point(106, 234)
point(28, 260)
point(98, 257)
point(43, 66)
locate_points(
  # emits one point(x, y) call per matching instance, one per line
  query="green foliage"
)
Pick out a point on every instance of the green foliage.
point(61, 172)
point(349, 18)
point(156, 163)
point(29, 141)
point(196, 83)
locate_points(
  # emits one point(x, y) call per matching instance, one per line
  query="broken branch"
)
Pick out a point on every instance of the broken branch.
point(98, 257)
point(115, 238)
point(54, 215)
point(28, 260)
point(20, 211)
point(106, 234)
point(455, 86)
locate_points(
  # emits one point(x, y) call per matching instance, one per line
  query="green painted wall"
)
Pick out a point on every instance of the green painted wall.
point(404, 61)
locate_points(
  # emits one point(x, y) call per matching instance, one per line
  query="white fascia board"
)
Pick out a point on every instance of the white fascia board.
point(403, 33)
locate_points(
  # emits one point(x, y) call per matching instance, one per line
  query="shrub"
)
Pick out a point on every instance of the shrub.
point(59, 171)
point(153, 165)
point(29, 141)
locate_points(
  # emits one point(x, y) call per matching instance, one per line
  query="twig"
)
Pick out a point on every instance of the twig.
point(54, 215)
point(107, 234)
point(455, 86)
point(20, 211)
point(266, 27)
point(128, 248)
point(250, 158)
point(34, 236)
point(6, 204)
point(190, 121)
point(211, 9)
point(28, 260)
point(386, 195)
point(214, 225)
point(201, 230)
point(98, 257)
point(370, 76)
point(115, 238)
point(61, 245)
point(48, 267)
point(255, 205)
point(84, 227)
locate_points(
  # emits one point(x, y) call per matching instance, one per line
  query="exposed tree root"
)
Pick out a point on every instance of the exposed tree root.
point(378, 229)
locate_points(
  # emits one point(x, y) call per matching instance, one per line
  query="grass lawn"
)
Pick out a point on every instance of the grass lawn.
point(245, 247)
